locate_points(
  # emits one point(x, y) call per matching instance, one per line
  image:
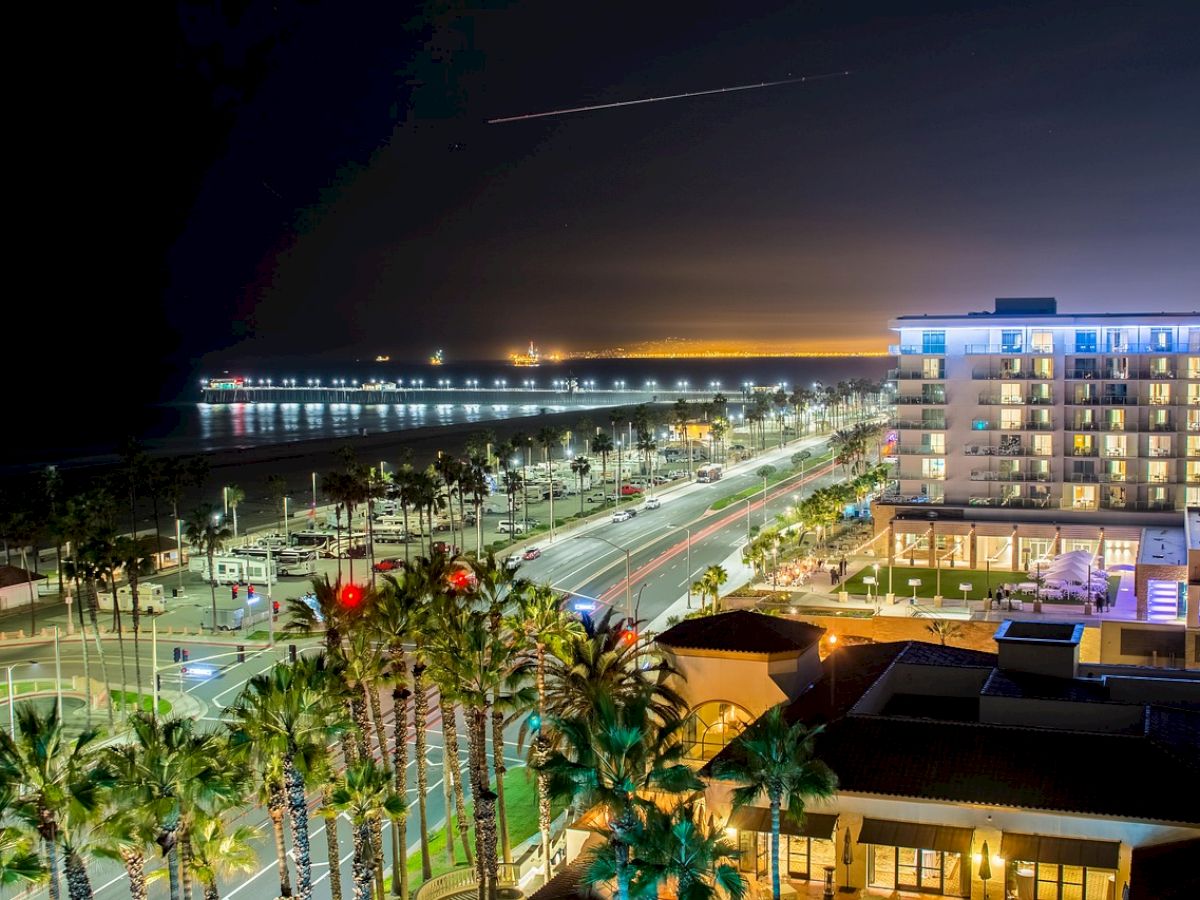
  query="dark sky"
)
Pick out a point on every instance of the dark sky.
point(317, 178)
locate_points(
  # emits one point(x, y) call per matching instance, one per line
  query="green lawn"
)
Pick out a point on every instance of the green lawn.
point(520, 799)
point(26, 687)
point(951, 579)
point(123, 698)
point(782, 474)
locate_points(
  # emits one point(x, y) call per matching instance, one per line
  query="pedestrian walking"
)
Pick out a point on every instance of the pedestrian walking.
point(842, 567)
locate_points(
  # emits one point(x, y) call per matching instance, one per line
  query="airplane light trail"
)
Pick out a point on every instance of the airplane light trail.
point(724, 90)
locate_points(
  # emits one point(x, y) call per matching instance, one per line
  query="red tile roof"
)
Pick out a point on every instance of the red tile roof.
point(742, 631)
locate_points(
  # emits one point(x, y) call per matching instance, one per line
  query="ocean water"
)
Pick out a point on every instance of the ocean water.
point(186, 425)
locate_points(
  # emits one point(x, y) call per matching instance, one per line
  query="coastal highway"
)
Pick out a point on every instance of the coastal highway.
point(581, 562)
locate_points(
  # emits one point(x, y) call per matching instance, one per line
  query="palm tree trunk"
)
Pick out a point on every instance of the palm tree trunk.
point(298, 812)
point(87, 666)
point(173, 868)
point(450, 764)
point(210, 891)
point(79, 886)
point(775, 848)
point(362, 729)
point(135, 871)
point(371, 538)
point(212, 586)
point(185, 859)
point(121, 649)
point(420, 718)
point(99, 649)
point(499, 768)
point(137, 656)
point(377, 725)
point(540, 753)
point(404, 512)
point(400, 708)
point(51, 847)
point(360, 869)
point(337, 524)
point(275, 809)
point(477, 762)
point(332, 853)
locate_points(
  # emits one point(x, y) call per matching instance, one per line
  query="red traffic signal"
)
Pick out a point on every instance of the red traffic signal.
point(351, 596)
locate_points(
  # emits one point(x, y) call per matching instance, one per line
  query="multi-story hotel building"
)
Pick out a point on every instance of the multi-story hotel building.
point(1024, 433)
point(1026, 408)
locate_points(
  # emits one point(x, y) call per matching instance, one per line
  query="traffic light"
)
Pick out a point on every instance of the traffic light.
point(178, 654)
point(535, 722)
point(351, 596)
point(291, 652)
point(184, 651)
point(158, 681)
point(233, 589)
point(241, 652)
point(628, 635)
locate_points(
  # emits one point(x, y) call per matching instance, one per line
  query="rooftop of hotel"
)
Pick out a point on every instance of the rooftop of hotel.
point(742, 631)
point(1163, 547)
point(1074, 768)
point(1039, 308)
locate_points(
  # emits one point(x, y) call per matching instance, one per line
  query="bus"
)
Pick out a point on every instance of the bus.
point(708, 474)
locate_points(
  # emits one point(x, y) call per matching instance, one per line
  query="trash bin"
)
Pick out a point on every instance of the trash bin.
point(176, 592)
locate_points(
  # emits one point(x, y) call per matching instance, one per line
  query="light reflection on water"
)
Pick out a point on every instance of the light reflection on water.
point(220, 426)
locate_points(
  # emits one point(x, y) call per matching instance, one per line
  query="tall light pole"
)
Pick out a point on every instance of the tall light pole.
point(625, 550)
point(688, 577)
point(12, 706)
point(57, 673)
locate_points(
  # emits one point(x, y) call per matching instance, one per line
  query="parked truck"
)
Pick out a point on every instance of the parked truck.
point(151, 599)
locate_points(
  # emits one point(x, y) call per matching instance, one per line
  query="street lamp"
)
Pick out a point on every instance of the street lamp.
point(625, 550)
point(687, 577)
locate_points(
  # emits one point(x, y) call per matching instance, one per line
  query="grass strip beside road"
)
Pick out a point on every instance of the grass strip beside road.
point(520, 799)
point(122, 699)
point(784, 474)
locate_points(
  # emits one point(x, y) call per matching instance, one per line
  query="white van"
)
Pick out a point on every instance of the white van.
point(511, 528)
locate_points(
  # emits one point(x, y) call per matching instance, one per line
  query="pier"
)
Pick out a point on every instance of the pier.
point(230, 391)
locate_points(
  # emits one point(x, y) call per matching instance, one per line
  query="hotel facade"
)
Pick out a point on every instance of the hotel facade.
point(1024, 433)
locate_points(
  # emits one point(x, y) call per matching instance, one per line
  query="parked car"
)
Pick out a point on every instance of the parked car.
point(628, 490)
point(622, 515)
point(596, 498)
point(446, 549)
point(661, 479)
point(531, 553)
point(507, 527)
point(513, 562)
point(677, 473)
point(391, 564)
point(652, 503)
point(358, 552)
point(737, 446)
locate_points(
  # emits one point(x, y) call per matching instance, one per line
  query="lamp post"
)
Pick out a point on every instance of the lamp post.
point(625, 550)
point(747, 518)
point(12, 706)
point(832, 670)
point(688, 577)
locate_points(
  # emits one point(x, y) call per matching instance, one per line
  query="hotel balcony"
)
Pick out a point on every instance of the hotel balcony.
point(1028, 425)
point(912, 375)
point(1004, 375)
point(918, 424)
point(919, 450)
point(1083, 451)
point(1162, 427)
point(1013, 502)
point(1083, 426)
point(990, 475)
point(919, 400)
point(1114, 478)
point(1081, 477)
point(977, 450)
point(1007, 350)
point(915, 350)
point(1077, 400)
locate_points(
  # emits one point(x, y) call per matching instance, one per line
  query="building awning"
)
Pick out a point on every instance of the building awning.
point(947, 838)
point(1060, 850)
point(758, 818)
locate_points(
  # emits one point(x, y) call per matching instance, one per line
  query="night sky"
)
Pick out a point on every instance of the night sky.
point(318, 178)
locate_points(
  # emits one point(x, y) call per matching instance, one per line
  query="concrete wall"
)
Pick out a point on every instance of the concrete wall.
point(745, 681)
point(1107, 718)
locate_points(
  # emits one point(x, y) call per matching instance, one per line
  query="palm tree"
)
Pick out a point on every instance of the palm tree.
point(710, 583)
point(547, 437)
point(234, 496)
point(603, 444)
point(610, 660)
point(523, 444)
point(221, 851)
point(298, 707)
point(365, 794)
point(774, 759)
point(613, 759)
point(581, 466)
point(56, 778)
point(682, 413)
point(765, 472)
point(680, 847)
point(131, 557)
point(205, 535)
point(19, 862)
point(277, 488)
point(124, 836)
point(540, 617)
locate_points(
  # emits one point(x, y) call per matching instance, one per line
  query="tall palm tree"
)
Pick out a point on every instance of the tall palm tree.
point(102, 551)
point(366, 796)
point(773, 758)
point(19, 861)
point(613, 759)
point(580, 467)
point(523, 443)
point(603, 444)
point(207, 536)
point(475, 483)
point(297, 706)
point(710, 583)
point(222, 850)
point(680, 847)
point(681, 412)
point(125, 834)
point(546, 627)
point(610, 660)
point(131, 557)
point(56, 777)
point(234, 497)
point(277, 489)
point(547, 437)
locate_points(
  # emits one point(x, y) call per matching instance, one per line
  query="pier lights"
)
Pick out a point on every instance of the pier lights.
point(355, 382)
point(496, 382)
point(503, 382)
point(717, 384)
